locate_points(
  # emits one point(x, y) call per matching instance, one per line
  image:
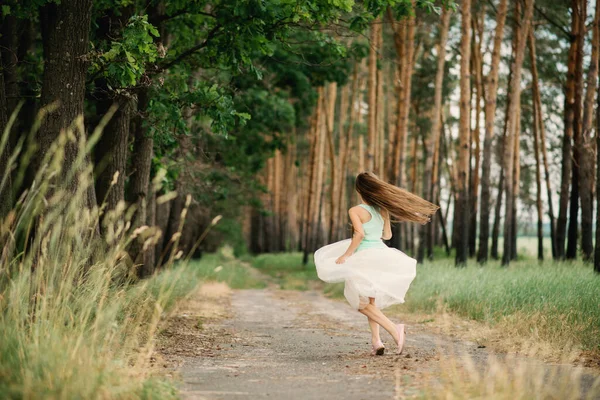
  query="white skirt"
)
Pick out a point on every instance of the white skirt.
point(382, 273)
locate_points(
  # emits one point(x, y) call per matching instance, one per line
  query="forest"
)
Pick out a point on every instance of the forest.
point(140, 137)
point(269, 127)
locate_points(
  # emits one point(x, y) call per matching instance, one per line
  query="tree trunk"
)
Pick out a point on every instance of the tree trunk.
point(317, 234)
point(431, 164)
point(435, 236)
point(65, 37)
point(462, 204)
point(174, 220)
point(497, 211)
point(150, 252)
point(597, 248)
point(477, 63)
point(515, 182)
point(111, 153)
point(6, 194)
point(579, 7)
point(372, 96)
point(379, 152)
point(563, 203)
point(330, 109)
point(9, 49)
point(586, 150)
point(491, 95)
point(542, 131)
point(404, 39)
point(163, 211)
point(347, 145)
point(141, 161)
point(511, 136)
point(315, 178)
point(310, 188)
point(538, 177)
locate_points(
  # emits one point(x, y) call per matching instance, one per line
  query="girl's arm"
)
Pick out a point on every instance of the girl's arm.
point(357, 236)
point(387, 227)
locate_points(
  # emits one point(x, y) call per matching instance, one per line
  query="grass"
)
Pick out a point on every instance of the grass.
point(286, 269)
point(555, 302)
point(75, 322)
point(510, 378)
point(94, 339)
point(224, 267)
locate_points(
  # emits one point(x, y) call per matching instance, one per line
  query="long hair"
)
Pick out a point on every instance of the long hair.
point(399, 203)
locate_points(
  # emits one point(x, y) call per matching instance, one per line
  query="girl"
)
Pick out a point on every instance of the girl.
point(375, 276)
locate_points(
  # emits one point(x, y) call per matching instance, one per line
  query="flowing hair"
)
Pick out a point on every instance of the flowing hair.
point(399, 203)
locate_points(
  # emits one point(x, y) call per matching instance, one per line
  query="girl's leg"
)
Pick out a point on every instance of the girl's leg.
point(373, 313)
point(375, 338)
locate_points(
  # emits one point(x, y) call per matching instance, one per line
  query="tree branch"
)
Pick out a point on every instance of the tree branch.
point(190, 51)
point(165, 17)
point(560, 27)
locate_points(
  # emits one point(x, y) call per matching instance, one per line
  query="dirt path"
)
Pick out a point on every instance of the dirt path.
point(300, 345)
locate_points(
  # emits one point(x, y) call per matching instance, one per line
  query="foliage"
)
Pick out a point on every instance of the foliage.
point(125, 61)
point(74, 320)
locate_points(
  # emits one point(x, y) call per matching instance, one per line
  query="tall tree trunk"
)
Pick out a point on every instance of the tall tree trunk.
point(6, 194)
point(586, 150)
point(312, 168)
point(372, 96)
point(597, 248)
point(579, 7)
point(111, 153)
point(9, 49)
point(346, 145)
point(379, 152)
point(511, 135)
point(497, 212)
point(330, 109)
point(65, 36)
point(477, 64)
point(515, 182)
point(542, 131)
point(404, 41)
point(491, 95)
point(163, 211)
point(462, 204)
point(174, 220)
point(150, 252)
point(315, 178)
point(141, 161)
point(317, 234)
point(431, 164)
point(435, 236)
point(538, 178)
point(563, 203)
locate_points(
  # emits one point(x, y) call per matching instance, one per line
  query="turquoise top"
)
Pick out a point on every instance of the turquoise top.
point(373, 230)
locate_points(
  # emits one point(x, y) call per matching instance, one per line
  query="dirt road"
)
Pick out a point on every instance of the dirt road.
point(300, 345)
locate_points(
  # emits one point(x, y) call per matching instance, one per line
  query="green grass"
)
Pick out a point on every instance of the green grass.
point(75, 322)
point(287, 269)
point(223, 267)
point(557, 302)
point(79, 341)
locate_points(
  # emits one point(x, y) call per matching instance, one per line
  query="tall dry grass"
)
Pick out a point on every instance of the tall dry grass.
point(508, 378)
point(74, 320)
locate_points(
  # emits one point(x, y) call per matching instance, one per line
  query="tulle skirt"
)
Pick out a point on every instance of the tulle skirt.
point(382, 273)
